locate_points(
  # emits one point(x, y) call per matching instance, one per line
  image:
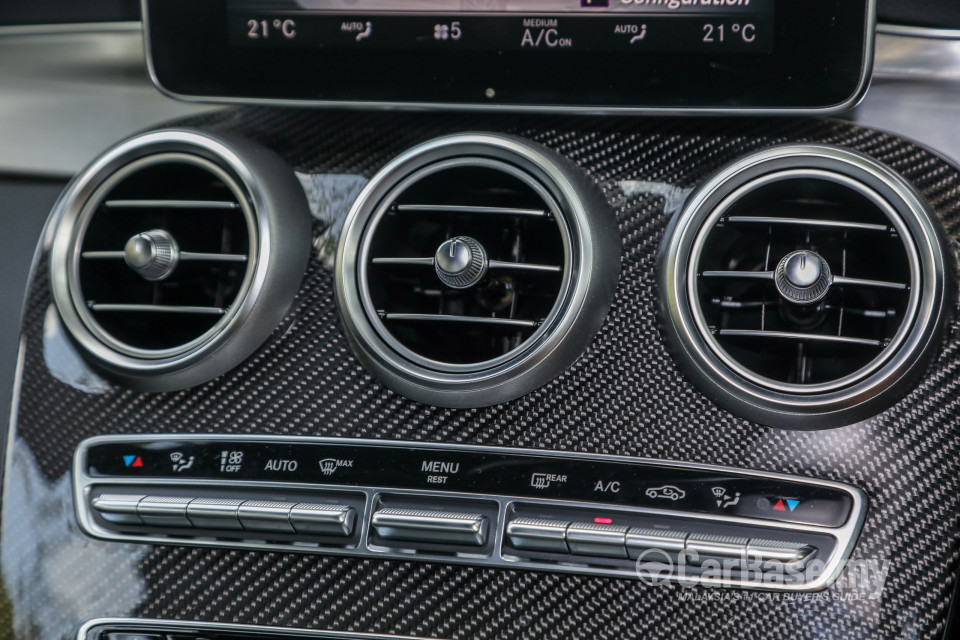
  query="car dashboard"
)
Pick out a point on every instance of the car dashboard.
point(485, 319)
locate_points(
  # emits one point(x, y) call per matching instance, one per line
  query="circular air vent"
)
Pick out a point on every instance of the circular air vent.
point(802, 285)
point(475, 268)
point(163, 249)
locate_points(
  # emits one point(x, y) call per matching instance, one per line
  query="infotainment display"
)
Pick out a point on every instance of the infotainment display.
point(577, 25)
point(594, 55)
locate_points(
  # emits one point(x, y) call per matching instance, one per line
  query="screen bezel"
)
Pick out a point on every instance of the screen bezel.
point(189, 58)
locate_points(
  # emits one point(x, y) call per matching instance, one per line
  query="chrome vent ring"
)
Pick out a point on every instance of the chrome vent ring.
point(126, 292)
point(443, 322)
point(474, 268)
point(804, 287)
point(173, 246)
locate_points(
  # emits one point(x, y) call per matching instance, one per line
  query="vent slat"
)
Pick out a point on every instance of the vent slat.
point(757, 304)
point(879, 314)
point(184, 256)
point(860, 282)
point(171, 204)
point(742, 304)
point(837, 280)
point(492, 264)
point(739, 275)
point(156, 308)
point(521, 266)
point(102, 255)
point(799, 337)
point(805, 222)
point(416, 262)
point(427, 317)
point(446, 208)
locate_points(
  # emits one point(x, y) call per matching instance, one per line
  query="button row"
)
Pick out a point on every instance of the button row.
point(611, 541)
point(229, 514)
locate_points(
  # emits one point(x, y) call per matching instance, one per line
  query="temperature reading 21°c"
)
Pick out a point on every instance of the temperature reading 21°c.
point(261, 29)
point(720, 33)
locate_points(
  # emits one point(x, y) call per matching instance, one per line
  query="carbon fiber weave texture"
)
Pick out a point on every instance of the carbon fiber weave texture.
point(624, 396)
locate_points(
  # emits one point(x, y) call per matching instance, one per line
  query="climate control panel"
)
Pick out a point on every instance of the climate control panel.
point(514, 508)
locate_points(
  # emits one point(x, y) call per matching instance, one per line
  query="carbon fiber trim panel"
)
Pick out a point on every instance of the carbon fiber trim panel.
point(624, 396)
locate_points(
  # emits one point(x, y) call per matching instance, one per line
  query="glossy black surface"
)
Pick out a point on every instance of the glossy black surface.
point(121, 629)
point(938, 14)
point(68, 11)
point(816, 61)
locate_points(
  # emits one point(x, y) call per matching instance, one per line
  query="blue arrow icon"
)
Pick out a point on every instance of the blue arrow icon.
point(128, 460)
point(792, 504)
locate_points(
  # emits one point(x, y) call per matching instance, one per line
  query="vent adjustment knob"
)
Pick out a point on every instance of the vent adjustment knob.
point(803, 277)
point(152, 254)
point(461, 262)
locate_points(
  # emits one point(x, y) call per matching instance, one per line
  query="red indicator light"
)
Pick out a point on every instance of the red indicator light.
point(603, 520)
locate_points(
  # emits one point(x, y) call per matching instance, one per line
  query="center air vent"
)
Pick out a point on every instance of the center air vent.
point(512, 240)
point(474, 262)
point(167, 257)
point(807, 283)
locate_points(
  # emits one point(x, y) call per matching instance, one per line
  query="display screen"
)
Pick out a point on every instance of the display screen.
point(628, 26)
point(599, 55)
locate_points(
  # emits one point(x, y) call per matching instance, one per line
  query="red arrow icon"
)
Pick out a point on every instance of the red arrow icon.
point(779, 506)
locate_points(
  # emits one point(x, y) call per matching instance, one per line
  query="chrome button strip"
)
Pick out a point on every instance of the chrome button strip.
point(638, 541)
point(213, 513)
point(520, 531)
point(536, 534)
point(117, 508)
point(259, 515)
point(778, 554)
point(164, 511)
point(591, 539)
point(431, 526)
point(710, 547)
point(323, 519)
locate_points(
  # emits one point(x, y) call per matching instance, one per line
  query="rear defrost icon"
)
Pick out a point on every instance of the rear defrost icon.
point(540, 481)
